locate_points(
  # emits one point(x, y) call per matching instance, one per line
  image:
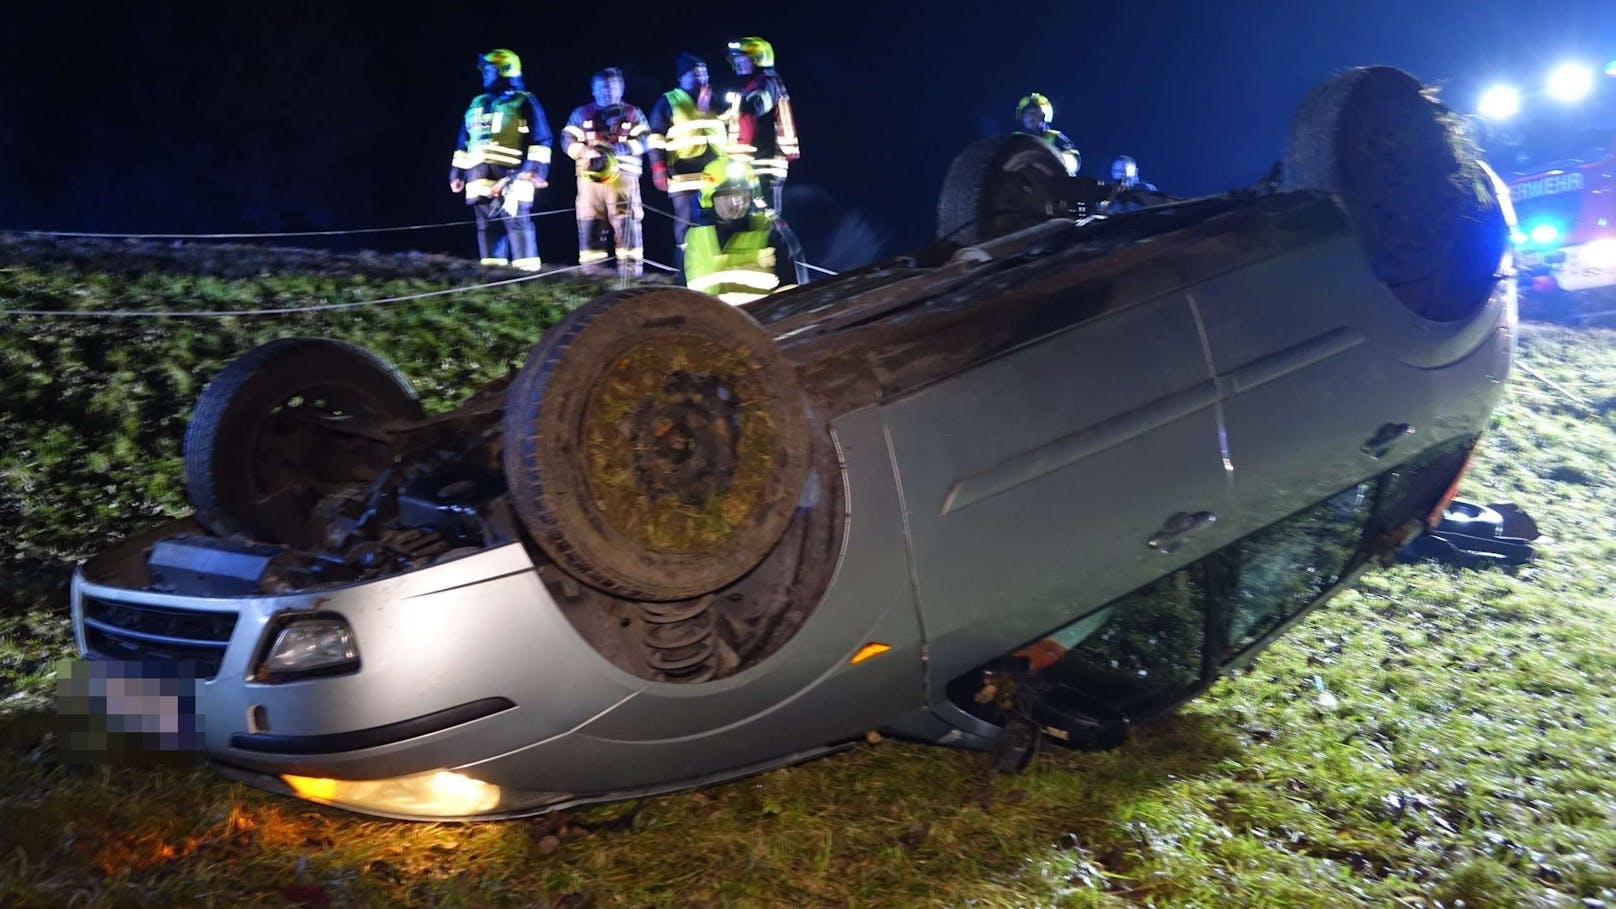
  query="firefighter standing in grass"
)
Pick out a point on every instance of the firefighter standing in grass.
point(606, 138)
point(762, 128)
point(738, 251)
point(1033, 116)
point(502, 158)
point(686, 135)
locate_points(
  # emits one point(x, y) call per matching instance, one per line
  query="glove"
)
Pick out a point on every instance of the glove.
point(659, 175)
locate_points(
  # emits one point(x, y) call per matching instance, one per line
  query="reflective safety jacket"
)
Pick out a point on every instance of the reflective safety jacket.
point(740, 270)
point(762, 129)
point(1063, 146)
point(686, 137)
point(500, 136)
point(619, 129)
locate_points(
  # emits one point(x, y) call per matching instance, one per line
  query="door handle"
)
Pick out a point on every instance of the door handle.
point(1171, 536)
point(1385, 439)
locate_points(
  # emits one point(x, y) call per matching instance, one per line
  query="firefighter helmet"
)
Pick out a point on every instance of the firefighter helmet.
point(1038, 101)
point(761, 51)
point(505, 61)
point(728, 187)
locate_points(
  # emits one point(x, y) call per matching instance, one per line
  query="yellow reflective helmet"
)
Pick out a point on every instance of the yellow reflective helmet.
point(1035, 100)
point(728, 176)
point(506, 61)
point(761, 51)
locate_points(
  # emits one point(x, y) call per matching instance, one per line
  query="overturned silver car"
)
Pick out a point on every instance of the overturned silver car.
point(1043, 479)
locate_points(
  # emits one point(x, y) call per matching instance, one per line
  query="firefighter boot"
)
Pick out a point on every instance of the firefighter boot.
point(591, 252)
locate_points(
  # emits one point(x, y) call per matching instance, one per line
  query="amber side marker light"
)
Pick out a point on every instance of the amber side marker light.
point(1435, 517)
point(872, 649)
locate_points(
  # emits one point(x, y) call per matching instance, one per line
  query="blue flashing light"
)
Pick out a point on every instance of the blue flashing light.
point(1544, 233)
point(1610, 68)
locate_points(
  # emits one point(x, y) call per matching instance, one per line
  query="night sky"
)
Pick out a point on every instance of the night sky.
point(177, 117)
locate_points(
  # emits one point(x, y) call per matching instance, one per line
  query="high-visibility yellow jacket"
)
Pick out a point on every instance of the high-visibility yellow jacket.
point(684, 137)
point(501, 135)
point(740, 270)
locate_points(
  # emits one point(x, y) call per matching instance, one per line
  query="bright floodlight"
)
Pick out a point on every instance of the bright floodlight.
point(1500, 102)
point(1571, 82)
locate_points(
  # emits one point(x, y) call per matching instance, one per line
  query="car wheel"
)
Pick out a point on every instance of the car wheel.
point(655, 443)
point(260, 451)
point(998, 186)
point(1425, 208)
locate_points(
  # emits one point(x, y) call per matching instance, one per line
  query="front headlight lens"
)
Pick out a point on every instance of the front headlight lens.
point(439, 793)
point(434, 795)
point(310, 645)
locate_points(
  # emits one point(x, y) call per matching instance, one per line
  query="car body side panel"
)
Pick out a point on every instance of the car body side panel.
point(1320, 381)
point(1004, 467)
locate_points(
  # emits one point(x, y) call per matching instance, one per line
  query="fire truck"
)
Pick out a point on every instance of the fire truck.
point(1556, 148)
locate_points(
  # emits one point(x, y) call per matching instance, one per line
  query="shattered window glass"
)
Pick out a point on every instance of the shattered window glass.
point(1287, 566)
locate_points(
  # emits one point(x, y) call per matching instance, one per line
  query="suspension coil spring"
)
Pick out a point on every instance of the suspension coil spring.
point(680, 638)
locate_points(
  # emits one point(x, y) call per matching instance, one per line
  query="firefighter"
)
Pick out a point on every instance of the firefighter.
point(1033, 115)
point(502, 159)
point(686, 135)
point(738, 251)
point(606, 138)
point(1126, 188)
point(762, 129)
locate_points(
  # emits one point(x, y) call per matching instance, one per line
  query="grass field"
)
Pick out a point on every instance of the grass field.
point(1434, 737)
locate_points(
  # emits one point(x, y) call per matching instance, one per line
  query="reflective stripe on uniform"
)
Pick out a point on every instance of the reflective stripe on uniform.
point(492, 261)
point(529, 263)
point(684, 182)
point(745, 277)
point(634, 252)
point(480, 189)
point(463, 160)
point(736, 297)
point(586, 256)
point(539, 153)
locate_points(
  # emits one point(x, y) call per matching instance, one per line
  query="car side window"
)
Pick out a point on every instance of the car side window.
point(1281, 570)
point(1146, 646)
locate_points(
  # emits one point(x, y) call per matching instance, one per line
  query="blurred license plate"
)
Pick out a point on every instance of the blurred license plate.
point(128, 711)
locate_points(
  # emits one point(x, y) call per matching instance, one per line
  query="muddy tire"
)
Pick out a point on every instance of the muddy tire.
point(656, 443)
point(1425, 208)
point(256, 459)
point(998, 186)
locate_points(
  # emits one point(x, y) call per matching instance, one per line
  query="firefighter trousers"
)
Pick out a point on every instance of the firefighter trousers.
point(684, 217)
point(506, 239)
point(609, 214)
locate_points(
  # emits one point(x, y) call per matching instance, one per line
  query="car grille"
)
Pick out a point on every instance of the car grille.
point(134, 631)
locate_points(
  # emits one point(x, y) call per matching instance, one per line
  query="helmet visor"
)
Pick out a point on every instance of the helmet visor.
point(731, 204)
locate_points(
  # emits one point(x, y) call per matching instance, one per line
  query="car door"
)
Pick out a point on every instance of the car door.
point(1035, 485)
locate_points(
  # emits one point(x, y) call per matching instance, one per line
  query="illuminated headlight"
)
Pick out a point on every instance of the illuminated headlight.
point(1500, 102)
point(309, 646)
point(1600, 253)
point(437, 793)
point(1571, 82)
point(430, 795)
